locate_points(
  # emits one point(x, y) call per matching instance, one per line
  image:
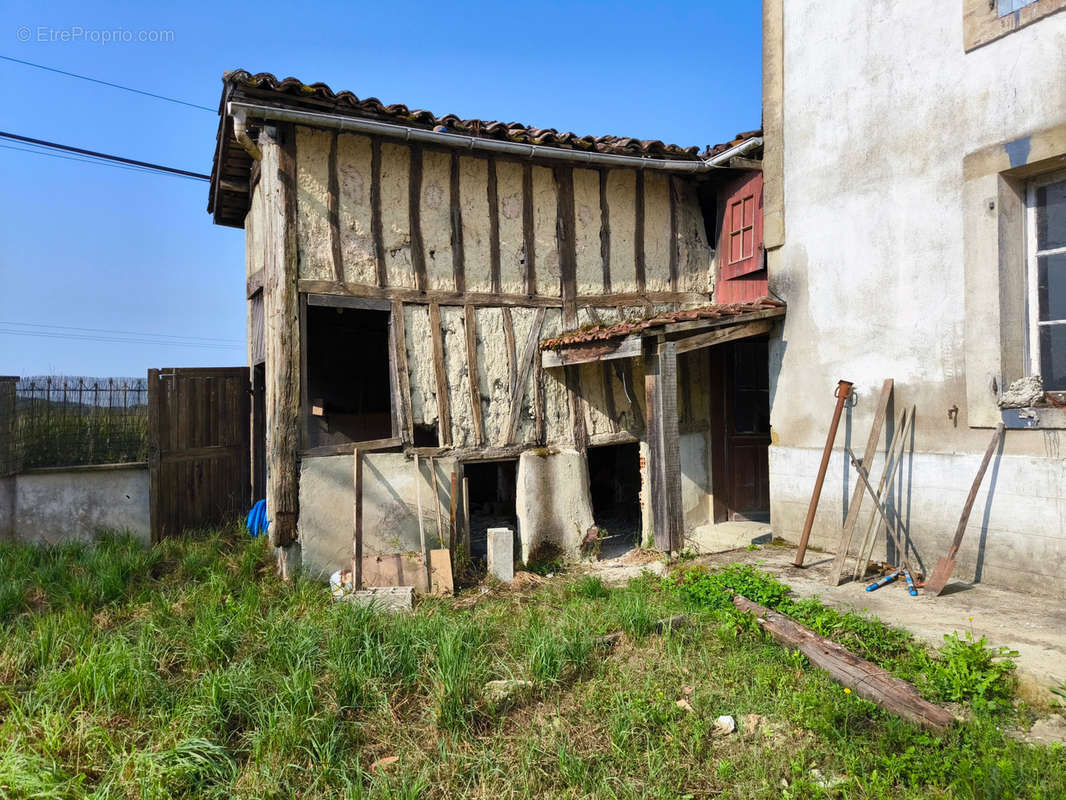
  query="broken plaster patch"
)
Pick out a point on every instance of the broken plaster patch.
point(1022, 393)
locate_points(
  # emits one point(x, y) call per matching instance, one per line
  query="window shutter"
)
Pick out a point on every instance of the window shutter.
point(740, 248)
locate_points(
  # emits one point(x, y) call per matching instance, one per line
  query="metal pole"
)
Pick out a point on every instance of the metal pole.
point(842, 393)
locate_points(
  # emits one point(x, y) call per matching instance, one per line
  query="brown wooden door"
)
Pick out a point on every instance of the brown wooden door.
point(198, 447)
point(747, 409)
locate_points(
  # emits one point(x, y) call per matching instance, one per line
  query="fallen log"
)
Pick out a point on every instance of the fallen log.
point(867, 680)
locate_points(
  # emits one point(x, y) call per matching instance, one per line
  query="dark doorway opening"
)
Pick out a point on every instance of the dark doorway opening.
point(492, 491)
point(741, 415)
point(614, 485)
point(349, 389)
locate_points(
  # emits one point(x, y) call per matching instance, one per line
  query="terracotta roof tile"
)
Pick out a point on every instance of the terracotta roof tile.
point(512, 131)
point(600, 333)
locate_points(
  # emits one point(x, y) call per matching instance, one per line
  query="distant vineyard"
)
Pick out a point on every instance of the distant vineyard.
point(64, 421)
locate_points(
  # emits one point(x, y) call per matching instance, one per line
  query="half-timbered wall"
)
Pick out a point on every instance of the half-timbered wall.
point(497, 239)
point(481, 258)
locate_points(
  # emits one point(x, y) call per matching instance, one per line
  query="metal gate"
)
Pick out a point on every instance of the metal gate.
point(198, 447)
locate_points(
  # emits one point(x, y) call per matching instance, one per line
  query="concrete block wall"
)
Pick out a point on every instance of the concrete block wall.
point(52, 506)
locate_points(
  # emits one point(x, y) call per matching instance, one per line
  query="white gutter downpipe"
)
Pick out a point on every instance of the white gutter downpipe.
point(744, 147)
point(241, 133)
point(407, 133)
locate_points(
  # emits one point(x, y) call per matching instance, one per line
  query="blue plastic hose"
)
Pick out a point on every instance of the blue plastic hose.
point(257, 521)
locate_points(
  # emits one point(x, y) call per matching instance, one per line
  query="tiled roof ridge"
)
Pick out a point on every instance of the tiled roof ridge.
point(452, 123)
point(600, 332)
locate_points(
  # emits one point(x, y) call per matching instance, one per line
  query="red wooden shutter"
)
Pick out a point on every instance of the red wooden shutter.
point(740, 244)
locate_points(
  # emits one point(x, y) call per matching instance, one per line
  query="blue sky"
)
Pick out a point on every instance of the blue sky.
point(90, 247)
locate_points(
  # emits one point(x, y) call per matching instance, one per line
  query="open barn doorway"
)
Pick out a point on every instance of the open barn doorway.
point(614, 485)
point(491, 488)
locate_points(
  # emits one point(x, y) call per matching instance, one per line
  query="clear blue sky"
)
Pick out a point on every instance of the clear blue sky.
point(88, 246)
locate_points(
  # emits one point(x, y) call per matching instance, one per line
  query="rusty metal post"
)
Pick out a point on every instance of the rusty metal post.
point(842, 393)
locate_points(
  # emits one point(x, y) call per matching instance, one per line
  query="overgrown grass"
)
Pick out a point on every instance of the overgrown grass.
point(189, 670)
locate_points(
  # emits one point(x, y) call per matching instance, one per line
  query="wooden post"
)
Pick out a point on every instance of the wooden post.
point(155, 518)
point(454, 514)
point(277, 186)
point(466, 515)
point(436, 501)
point(664, 462)
point(357, 520)
point(8, 457)
point(421, 522)
point(842, 393)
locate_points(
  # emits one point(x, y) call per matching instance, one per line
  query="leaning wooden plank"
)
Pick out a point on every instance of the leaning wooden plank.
point(403, 375)
point(867, 680)
point(884, 490)
point(857, 495)
point(529, 352)
point(357, 520)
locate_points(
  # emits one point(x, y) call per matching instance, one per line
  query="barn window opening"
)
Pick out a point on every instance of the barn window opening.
point(614, 486)
point(492, 492)
point(348, 382)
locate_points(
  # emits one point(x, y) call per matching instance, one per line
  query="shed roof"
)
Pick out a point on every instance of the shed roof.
point(228, 194)
point(705, 317)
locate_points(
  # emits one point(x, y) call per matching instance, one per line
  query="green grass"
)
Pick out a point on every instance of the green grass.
point(189, 670)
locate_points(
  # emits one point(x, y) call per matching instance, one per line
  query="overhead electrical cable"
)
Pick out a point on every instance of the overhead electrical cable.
point(105, 156)
point(125, 333)
point(117, 340)
point(108, 83)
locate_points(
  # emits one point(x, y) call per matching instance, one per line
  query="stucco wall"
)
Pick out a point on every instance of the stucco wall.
point(880, 106)
point(54, 506)
point(390, 516)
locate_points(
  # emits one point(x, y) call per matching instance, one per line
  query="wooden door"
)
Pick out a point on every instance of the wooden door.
point(198, 447)
point(747, 407)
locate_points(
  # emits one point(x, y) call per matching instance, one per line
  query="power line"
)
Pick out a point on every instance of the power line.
point(116, 340)
point(125, 333)
point(78, 159)
point(107, 83)
point(105, 156)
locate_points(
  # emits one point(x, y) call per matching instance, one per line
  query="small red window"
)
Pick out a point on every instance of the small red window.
point(740, 253)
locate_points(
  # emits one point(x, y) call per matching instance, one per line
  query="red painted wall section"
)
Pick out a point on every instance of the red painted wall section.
point(741, 263)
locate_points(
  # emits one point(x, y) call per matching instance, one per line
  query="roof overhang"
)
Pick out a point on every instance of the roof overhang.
point(692, 329)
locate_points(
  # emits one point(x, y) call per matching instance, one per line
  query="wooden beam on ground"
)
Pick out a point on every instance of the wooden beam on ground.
point(444, 414)
point(626, 347)
point(867, 680)
point(529, 353)
point(722, 335)
point(868, 455)
point(473, 375)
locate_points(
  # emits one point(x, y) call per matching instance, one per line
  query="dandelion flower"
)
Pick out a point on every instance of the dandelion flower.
point(847, 690)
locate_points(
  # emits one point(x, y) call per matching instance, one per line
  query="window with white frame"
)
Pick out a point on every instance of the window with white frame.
point(1047, 279)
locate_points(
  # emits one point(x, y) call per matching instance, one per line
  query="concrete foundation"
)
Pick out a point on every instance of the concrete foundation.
point(51, 506)
point(500, 548)
point(553, 501)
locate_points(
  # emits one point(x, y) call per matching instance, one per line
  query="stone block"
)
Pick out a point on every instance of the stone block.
point(501, 553)
point(383, 598)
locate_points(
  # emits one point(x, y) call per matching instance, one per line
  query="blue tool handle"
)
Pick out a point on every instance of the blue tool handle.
point(873, 587)
point(911, 588)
